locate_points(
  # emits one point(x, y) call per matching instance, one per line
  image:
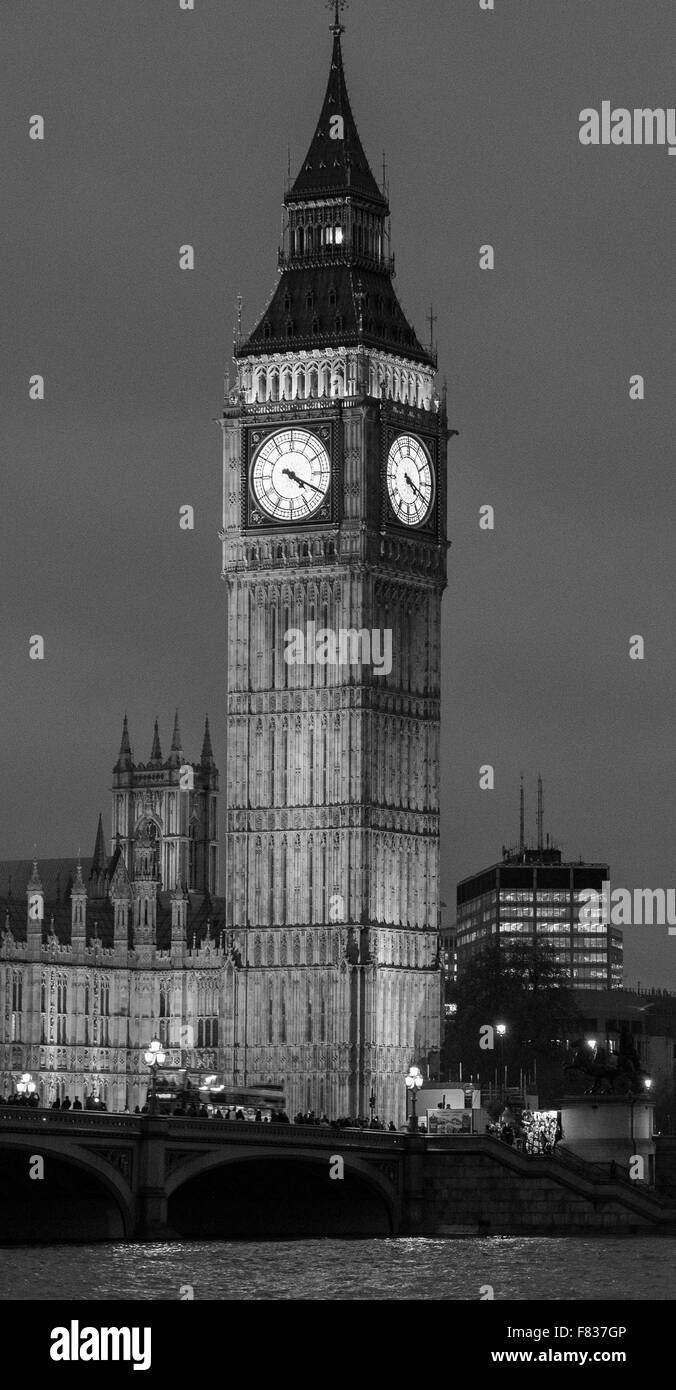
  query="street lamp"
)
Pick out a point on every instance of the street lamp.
point(413, 1083)
point(26, 1086)
point(501, 1029)
point(647, 1082)
point(154, 1058)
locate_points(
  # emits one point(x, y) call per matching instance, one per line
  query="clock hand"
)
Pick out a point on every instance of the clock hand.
point(302, 482)
point(412, 484)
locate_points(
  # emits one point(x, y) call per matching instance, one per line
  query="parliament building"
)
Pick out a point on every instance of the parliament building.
point(319, 968)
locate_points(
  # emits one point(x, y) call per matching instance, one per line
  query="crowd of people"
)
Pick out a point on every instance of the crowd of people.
point(193, 1110)
point(33, 1100)
point(531, 1132)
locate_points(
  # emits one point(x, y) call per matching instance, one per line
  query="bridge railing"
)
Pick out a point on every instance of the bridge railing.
point(197, 1127)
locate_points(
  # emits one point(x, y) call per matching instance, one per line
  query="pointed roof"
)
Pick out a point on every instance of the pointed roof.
point(176, 755)
point(34, 885)
point(335, 163)
point(335, 293)
point(156, 752)
point(78, 889)
point(347, 304)
point(180, 892)
point(124, 756)
point(207, 751)
point(99, 859)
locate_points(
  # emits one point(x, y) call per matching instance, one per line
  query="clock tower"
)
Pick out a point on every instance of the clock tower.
point(334, 557)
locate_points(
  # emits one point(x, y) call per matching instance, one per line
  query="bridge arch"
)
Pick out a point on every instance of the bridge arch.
point(85, 1197)
point(287, 1192)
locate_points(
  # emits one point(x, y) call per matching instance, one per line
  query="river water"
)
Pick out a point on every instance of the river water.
point(515, 1267)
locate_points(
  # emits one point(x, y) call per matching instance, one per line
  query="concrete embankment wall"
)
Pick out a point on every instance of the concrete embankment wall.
point(489, 1189)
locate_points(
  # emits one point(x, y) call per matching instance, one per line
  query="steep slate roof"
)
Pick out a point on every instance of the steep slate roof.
point(202, 912)
point(333, 166)
point(335, 169)
point(15, 873)
point(389, 328)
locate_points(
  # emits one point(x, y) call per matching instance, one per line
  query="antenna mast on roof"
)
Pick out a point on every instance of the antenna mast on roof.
point(539, 812)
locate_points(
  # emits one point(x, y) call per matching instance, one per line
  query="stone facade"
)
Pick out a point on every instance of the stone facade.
point(333, 768)
point(90, 972)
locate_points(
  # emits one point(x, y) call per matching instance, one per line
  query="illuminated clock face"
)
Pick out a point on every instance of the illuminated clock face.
point(291, 475)
point(410, 480)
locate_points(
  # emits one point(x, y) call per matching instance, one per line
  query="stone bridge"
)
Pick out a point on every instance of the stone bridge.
point(79, 1176)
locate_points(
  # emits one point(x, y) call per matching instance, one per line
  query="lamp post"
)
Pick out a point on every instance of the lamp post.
point(372, 1104)
point(413, 1083)
point(501, 1029)
point(155, 1058)
point(26, 1086)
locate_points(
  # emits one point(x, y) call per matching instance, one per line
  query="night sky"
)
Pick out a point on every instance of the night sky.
point(166, 127)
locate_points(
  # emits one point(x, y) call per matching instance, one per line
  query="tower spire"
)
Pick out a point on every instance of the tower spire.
point(176, 752)
point(156, 753)
point(99, 860)
point(207, 751)
point(521, 820)
point(335, 164)
point(124, 763)
point(336, 5)
point(539, 812)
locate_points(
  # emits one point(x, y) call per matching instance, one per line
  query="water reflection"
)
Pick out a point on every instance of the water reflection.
point(518, 1268)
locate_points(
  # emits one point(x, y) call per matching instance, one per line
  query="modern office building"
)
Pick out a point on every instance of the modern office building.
point(533, 895)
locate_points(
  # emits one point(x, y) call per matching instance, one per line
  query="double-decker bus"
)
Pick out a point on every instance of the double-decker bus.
point(181, 1090)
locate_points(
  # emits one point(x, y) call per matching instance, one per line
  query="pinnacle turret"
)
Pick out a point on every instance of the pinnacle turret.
point(207, 757)
point(124, 761)
point(156, 752)
point(34, 884)
point(99, 859)
point(78, 889)
point(176, 754)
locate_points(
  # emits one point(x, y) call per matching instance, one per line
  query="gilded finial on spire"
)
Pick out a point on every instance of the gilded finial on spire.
point(336, 5)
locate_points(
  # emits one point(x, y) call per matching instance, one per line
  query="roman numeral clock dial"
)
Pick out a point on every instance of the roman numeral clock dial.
point(291, 475)
point(410, 480)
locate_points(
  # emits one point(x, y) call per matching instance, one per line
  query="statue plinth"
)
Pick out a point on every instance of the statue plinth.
point(611, 1129)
